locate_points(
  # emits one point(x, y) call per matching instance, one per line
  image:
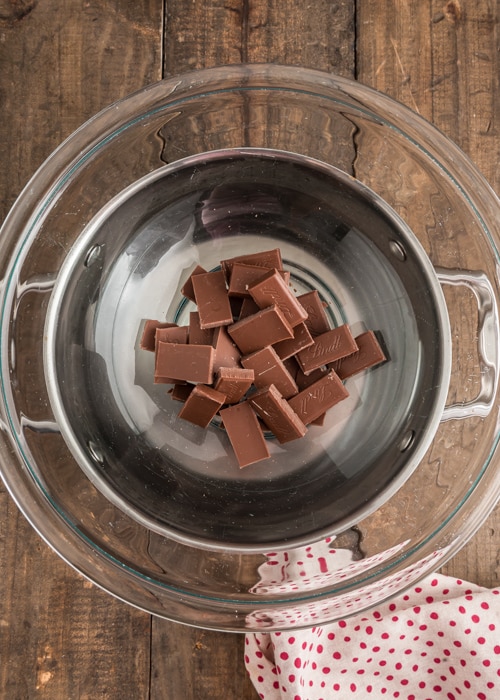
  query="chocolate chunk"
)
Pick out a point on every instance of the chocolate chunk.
point(368, 355)
point(301, 339)
point(327, 347)
point(317, 320)
point(266, 327)
point(244, 276)
point(226, 352)
point(244, 433)
point(272, 290)
point(174, 334)
point(269, 369)
point(187, 290)
point(277, 414)
point(248, 308)
point(268, 259)
point(191, 363)
point(180, 392)
point(234, 382)
point(201, 405)
point(147, 341)
point(305, 380)
point(197, 334)
point(212, 300)
point(313, 401)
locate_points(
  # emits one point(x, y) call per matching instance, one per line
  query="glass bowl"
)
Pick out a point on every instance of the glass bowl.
point(370, 205)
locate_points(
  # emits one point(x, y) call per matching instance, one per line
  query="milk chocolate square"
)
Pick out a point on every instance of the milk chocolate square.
point(174, 334)
point(226, 352)
point(191, 363)
point(244, 276)
point(328, 347)
point(301, 339)
point(234, 382)
point(212, 300)
point(187, 290)
point(369, 354)
point(244, 433)
point(267, 259)
point(269, 369)
point(197, 334)
point(201, 405)
point(317, 320)
point(271, 290)
point(312, 402)
point(266, 327)
point(277, 414)
point(147, 341)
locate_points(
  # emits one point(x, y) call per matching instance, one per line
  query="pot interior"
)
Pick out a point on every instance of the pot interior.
point(130, 263)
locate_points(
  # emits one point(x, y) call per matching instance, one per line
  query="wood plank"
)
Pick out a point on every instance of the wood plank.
point(441, 59)
point(60, 62)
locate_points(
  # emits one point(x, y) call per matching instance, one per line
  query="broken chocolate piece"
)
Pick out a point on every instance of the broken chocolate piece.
point(277, 414)
point(313, 401)
point(174, 334)
point(180, 392)
point(226, 352)
point(301, 339)
point(234, 382)
point(272, 290)
point(201, 405)
point(267, 259)
point(197, 334)
point(148, 336)
point(327, 347)
point(187, 290)
point(191, 363)
point(269, 369)
point(248, 308)
point(244, 276)
point(212, 300)
point(317, 320)
point(266, 327)
point(244, 433)
point(368, 355)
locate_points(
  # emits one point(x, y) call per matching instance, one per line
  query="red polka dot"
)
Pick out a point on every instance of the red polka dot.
point(284, 655)
point(291, 678)
point(429, 599)
point(475, 618)
point(297, 662)
point(337, 655)
point(434, 616)
point(331, 635)
point(485, 606)
point(353, 687)
point(481, 640)
point(325, 669)
point(319, 648)
point(461, 609)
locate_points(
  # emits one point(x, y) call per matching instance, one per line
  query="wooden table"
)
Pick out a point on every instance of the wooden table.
point(61, 638)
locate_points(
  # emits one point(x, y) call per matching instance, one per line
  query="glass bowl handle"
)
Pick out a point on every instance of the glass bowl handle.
point(488, 338)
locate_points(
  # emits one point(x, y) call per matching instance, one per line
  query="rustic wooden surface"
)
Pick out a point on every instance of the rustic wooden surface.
point(61, 638)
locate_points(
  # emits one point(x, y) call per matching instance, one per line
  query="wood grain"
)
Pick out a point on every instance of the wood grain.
point(441, 59)
point(60, 637)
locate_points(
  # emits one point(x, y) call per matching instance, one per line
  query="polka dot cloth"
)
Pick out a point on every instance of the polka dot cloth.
point(441, 639)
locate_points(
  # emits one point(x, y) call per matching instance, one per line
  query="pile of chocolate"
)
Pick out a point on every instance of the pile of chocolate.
point(256, 354)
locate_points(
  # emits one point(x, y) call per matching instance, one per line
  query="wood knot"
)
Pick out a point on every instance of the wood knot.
point(453, 11)
point(16, 10)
